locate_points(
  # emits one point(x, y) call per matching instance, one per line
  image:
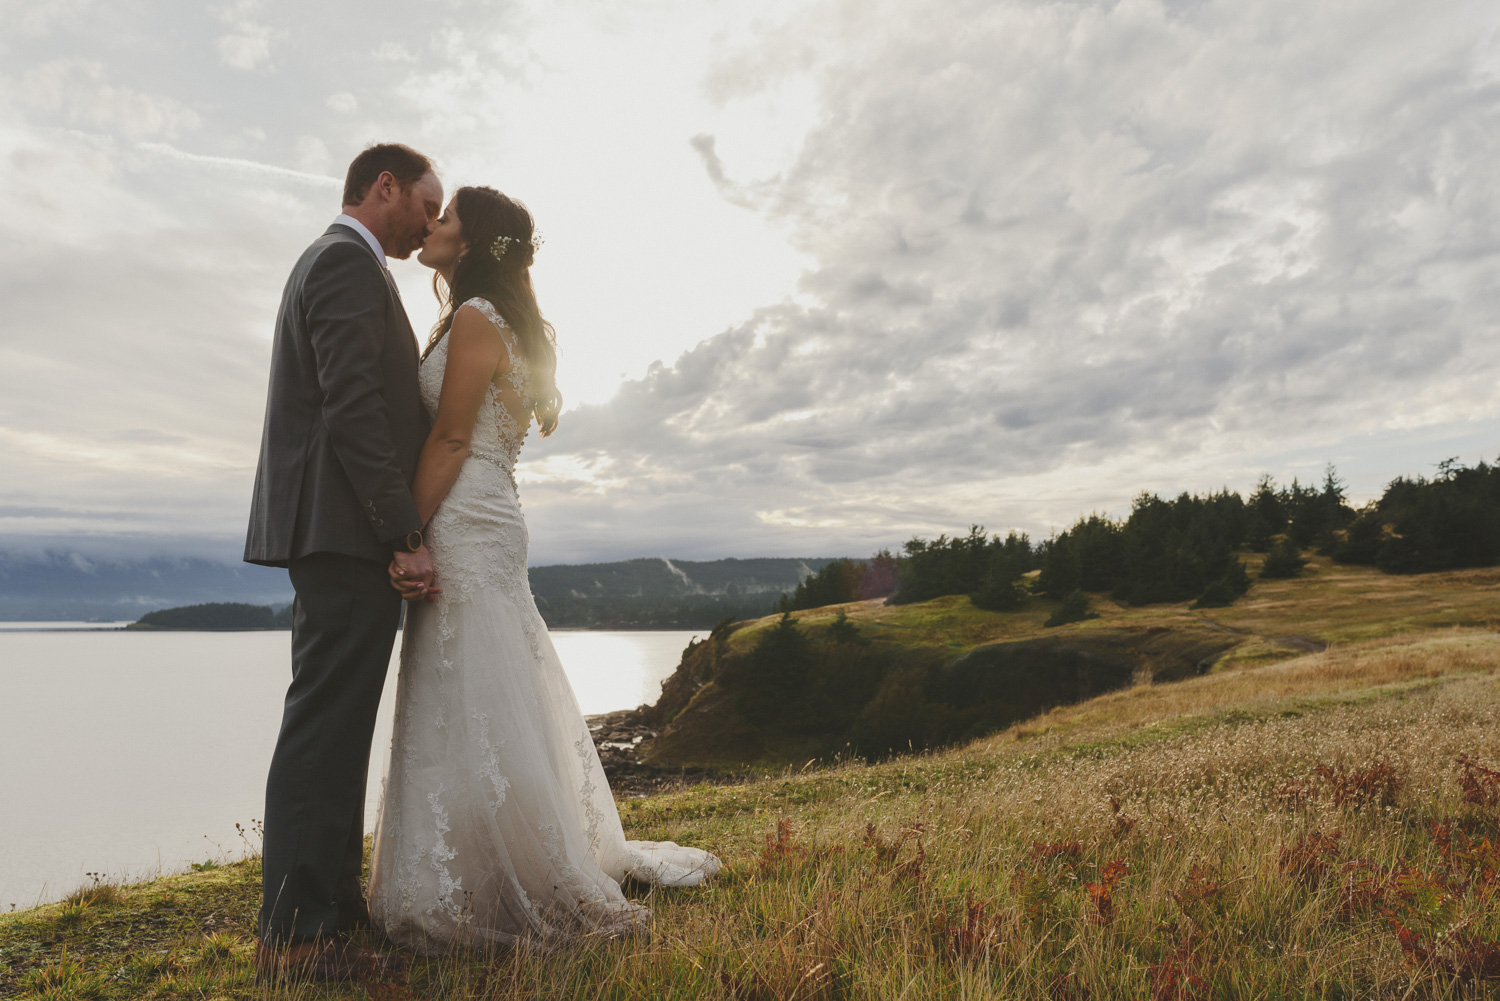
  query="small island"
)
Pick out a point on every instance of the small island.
point(216, 616)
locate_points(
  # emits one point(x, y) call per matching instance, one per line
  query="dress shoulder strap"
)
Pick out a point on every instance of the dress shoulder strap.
point(488, 310)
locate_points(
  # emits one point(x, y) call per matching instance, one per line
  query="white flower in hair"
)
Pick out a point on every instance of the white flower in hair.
point(500, 246)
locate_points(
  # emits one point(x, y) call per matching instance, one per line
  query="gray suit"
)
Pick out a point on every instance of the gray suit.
point(344, 428)
point(344, 423)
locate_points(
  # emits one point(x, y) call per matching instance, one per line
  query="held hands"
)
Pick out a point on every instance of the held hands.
point(412, 575)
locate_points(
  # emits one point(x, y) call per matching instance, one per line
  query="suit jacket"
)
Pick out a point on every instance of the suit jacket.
point(344, 421)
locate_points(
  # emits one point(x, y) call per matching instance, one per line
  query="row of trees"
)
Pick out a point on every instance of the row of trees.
point(1449, 522)
point(843, 580)
point(1185, 549)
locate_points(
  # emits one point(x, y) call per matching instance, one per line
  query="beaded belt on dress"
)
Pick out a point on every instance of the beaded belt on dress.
point(501, 461)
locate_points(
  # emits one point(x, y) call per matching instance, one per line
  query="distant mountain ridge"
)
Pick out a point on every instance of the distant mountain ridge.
point(665, 594)
point(639, 593)
point(57, 585)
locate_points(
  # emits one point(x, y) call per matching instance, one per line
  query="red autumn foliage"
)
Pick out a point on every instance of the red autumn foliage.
point(1122, 823)
point(1102, 893)
point(781, 847)
point(1070, 852)
point(978, 933)
point(1472, 957)
point(1480, 785)
point(1360, 787)
point(1311, 858)
point(1295, 795)
point(1472, 863)
point(1364, 886)
point(1036, 895)
point(1420, 908)
point(1202, 893)
point(1176, 977)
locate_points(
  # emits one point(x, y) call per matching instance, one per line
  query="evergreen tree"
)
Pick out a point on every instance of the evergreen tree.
point(1266, 514)
point(1285, 560)
point(772, 676)
point(1061, 569)
point(1002, 590)
point(1227, 588)
point(841, 630)
point(1076, 607)
point(1361, 542)
point(1317, 515)
point(879, 577)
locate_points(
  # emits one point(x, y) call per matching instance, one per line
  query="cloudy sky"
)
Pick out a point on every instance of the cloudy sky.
point(824, 274)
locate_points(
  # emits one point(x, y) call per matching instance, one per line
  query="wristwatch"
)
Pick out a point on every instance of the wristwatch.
point(408, 543)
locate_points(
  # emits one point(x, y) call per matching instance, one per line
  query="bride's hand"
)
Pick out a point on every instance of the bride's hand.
point(411, 589)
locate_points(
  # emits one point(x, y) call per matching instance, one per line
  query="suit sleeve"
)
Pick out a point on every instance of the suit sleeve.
point(345, 298)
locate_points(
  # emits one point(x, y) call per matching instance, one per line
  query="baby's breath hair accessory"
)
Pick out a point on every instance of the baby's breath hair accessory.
point(501, 245)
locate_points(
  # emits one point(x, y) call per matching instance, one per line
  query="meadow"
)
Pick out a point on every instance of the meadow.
point(1296, 823)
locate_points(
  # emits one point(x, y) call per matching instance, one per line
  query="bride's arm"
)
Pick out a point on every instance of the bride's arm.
point(475, 355)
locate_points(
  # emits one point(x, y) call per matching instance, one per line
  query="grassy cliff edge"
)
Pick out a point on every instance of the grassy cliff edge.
point(869, 679)
point(1293, 823)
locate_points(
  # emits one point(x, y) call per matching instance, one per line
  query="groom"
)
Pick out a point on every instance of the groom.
point(332, 503)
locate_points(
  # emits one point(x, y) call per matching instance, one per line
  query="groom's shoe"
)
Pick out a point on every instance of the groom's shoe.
point(354, 915)
point(325, 959)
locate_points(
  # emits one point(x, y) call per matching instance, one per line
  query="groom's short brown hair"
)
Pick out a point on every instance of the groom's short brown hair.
point(405, 164)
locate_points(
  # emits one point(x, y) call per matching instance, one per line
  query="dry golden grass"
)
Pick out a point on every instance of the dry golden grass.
point(1287, 830)
point(1355, 671)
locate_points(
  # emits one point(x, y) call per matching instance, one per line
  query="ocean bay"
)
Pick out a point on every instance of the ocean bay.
point(129, 753)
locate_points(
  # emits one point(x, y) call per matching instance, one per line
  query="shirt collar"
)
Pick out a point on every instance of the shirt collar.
point(364, 231)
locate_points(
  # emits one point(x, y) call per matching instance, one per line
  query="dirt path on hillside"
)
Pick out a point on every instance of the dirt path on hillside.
point(1302, 644)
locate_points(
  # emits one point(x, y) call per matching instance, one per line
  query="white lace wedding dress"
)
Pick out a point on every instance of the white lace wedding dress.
point(496, 823)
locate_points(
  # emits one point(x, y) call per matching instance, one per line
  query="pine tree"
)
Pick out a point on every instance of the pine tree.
point(1076, 607)
point(1285, 560)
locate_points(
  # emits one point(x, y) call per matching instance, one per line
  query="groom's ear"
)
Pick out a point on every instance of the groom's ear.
point(386, 187)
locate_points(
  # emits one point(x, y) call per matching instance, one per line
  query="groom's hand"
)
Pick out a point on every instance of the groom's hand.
point(412, 575)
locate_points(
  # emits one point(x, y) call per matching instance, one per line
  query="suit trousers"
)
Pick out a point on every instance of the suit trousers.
point(343, 627)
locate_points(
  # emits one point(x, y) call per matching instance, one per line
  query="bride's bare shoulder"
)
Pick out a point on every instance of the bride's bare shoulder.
point(474, 325)
point(482, 308)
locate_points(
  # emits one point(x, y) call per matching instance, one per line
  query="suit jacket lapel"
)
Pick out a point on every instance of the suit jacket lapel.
point(339, 229)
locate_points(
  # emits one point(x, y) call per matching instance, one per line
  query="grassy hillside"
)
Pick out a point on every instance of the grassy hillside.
point(926, 675)
point(1291, 824)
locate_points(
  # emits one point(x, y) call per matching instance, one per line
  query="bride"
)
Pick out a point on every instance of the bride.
point(496, 824)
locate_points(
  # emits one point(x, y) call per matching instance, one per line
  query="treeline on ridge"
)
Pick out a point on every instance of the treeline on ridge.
point(1187, 548)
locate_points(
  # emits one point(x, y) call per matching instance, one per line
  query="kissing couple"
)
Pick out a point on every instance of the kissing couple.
point(385, 475)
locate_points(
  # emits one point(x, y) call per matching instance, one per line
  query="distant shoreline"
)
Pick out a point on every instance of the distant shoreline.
point(43, 626)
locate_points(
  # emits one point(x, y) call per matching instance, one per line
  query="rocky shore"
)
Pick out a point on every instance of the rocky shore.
point(619, 737)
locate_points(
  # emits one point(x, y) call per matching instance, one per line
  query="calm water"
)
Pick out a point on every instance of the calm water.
point(136, 753)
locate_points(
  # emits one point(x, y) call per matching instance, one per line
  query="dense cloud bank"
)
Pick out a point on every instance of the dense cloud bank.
point(1058, 253)
point(1134, 245)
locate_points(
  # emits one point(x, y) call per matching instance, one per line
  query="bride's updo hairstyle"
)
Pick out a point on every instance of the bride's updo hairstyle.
point(497, 266)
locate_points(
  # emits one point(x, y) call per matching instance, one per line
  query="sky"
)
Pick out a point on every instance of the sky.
point(825, 274)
